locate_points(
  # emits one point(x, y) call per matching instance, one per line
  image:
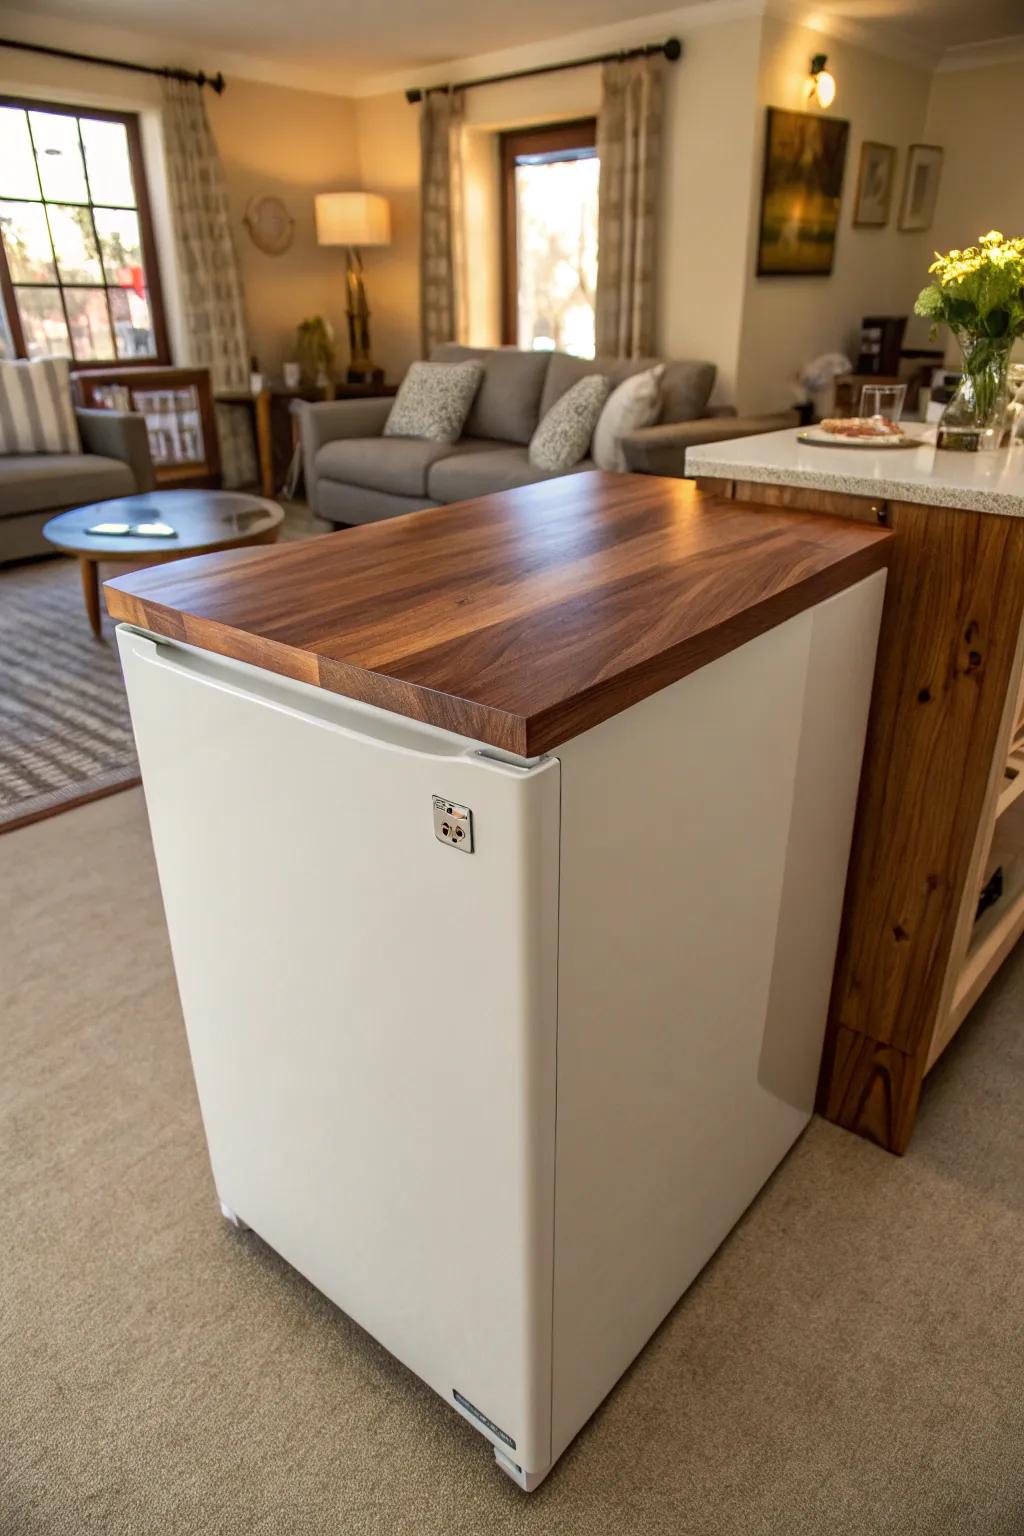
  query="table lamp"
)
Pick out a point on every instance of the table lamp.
point(355, 219)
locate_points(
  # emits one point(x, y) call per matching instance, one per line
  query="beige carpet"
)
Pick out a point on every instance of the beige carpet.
point(851, 1362)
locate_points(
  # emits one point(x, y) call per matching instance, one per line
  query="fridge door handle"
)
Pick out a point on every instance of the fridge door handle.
point(317, 706)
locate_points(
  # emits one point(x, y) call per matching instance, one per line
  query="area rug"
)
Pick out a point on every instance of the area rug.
point(65, 732)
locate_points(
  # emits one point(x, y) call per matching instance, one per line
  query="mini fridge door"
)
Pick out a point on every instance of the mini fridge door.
point(370, 1009)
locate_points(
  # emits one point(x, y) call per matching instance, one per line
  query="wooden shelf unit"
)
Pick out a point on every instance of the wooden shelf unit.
point(983, 943)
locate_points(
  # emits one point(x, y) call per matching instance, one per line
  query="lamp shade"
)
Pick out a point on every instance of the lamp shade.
point(352, 218)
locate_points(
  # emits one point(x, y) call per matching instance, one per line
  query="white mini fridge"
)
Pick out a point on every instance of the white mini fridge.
point(496, 1051)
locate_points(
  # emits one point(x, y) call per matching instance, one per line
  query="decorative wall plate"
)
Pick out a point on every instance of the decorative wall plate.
point(270, 225)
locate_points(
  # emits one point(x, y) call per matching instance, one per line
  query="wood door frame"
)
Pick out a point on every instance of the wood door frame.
point(546, 139)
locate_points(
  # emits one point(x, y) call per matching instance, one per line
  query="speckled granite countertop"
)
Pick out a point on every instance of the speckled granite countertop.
point(978, 482)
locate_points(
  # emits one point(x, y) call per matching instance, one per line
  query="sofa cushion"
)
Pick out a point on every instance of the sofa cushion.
point(433, 401)
point(41, 482)
point(564, 434)
point(636, 402)
point(499, 467)
point(507, 406)
point(685, 387)
point(398, 465)
point(36, 414)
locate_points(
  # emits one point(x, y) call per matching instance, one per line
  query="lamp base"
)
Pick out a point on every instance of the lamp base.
point(364, 373)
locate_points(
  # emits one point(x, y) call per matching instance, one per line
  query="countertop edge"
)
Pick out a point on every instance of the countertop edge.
point(992, 502)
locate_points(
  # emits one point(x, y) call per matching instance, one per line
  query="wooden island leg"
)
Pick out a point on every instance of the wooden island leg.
point(90, 574)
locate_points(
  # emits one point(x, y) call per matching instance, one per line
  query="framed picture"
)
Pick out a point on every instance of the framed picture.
point(874, 185)
point(920, 186)
point(804, 161)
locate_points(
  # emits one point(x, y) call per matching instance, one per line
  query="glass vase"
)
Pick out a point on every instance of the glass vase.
point(975, 418)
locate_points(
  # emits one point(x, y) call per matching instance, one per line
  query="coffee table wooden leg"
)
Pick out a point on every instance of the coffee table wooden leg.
point(91, 592)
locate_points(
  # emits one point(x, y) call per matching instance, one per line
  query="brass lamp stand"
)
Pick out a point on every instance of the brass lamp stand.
point(361, 367)
point(355, 220)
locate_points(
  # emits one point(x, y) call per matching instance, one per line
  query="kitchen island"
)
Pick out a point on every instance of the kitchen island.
point(560, 778)
point(935, 899)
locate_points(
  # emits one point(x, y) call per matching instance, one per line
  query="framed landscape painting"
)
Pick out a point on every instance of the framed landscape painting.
point(804, 161)
point(874, 185)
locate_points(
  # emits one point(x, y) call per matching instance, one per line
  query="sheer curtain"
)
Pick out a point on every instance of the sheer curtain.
point(629, 144)
point(442, 240)
point(210, 285)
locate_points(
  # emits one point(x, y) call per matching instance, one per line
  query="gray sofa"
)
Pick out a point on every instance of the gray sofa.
point(354, 475)
point(34, 487)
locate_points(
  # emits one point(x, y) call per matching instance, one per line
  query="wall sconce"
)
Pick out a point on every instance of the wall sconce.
point(822, 85)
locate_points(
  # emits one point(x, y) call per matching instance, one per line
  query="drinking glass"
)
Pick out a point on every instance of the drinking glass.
point(883, 400)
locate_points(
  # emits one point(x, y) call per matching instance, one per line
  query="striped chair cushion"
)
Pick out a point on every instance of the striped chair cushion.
point(36, 414)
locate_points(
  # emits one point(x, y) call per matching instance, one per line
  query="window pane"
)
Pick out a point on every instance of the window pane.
point(42, 322)
point(90, 324)
point(556, 221)
point(17, 162)
point(133, 327)
point(6, 344)
point(27, 242)
point(106, 158)
point(58, 157)
point(118, 231)
point(78, 260)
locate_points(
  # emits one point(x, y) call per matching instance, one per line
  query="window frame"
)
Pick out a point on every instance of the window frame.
point(154, 290)
point(547, 139)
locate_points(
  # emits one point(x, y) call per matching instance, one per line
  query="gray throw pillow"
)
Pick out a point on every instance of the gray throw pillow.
point(434, 400)
point(564, 433)
point(635, 403)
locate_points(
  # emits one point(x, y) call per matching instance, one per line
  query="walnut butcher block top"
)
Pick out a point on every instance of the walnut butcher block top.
point(520, 619)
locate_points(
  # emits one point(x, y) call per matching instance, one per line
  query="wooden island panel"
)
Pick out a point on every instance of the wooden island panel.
point(520, 619)
point(941, 725)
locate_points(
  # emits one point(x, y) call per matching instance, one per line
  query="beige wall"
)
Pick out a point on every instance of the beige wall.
point(389, 159)
point(787, 321)
point(976, 115)
point(291, 144)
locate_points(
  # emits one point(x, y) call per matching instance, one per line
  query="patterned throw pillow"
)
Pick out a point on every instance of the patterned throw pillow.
point(635, 403)
point(36, 414)
point(564, 434)
point(434, 400)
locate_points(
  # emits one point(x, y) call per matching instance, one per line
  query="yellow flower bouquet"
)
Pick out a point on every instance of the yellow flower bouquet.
point(979, 294)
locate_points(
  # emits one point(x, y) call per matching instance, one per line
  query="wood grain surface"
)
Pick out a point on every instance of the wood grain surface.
point(520, 619)
point(947, 656)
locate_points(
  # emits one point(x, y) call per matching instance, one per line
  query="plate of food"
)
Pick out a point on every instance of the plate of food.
point(858, 432)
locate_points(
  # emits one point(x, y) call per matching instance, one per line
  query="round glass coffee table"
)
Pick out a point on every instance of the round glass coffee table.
point(203, 521)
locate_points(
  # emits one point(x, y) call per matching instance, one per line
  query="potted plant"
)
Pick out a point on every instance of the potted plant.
point(316, 349)
point(979, 294)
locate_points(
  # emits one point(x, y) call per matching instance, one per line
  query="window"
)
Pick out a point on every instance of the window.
point(550, 237)
point(77, 271)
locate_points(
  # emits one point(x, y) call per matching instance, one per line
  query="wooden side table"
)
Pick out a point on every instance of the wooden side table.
point(274, 430)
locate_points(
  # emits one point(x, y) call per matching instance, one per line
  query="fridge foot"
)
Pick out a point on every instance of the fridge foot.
point(229, 1215)
point(526, 1480)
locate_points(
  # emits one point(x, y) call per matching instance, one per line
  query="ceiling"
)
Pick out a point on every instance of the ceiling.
point(344, 45)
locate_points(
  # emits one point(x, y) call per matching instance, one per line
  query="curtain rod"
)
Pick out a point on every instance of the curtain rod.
point(672, 50)
point(197, 77)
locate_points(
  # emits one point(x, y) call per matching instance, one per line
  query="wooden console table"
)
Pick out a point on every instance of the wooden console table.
point(935, 896)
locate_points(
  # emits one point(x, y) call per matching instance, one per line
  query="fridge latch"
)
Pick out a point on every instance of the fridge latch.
point(453, 824)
